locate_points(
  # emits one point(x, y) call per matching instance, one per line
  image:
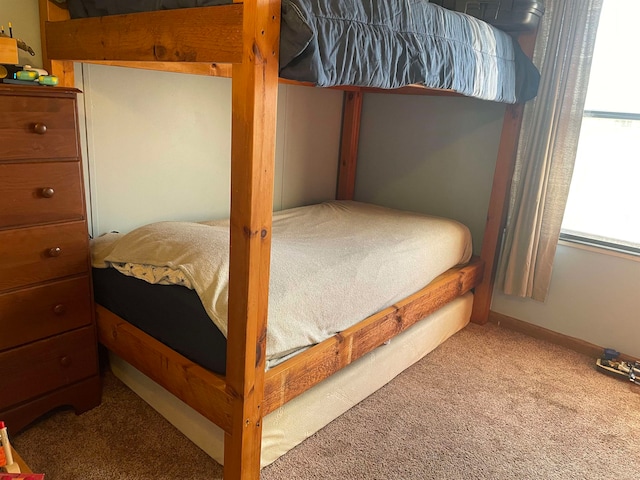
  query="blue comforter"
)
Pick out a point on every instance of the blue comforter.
point(384, 44)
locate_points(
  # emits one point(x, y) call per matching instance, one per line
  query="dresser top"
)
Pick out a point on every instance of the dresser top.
point(37, 90)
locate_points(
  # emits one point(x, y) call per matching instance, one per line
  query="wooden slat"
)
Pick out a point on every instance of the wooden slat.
point(208, 69)
point(254, 109)
point(53, 12)
point(351, 113)
point(203, 390)
point(536, 331)
point(288, 380)
point(206, 34)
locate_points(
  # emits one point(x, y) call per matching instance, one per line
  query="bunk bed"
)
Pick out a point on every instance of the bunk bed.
point(246, 41)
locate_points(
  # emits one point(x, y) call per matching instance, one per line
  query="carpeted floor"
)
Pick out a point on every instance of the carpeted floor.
point(487, 404)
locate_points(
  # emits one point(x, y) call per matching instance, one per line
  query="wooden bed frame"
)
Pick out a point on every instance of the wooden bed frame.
point(241, 41)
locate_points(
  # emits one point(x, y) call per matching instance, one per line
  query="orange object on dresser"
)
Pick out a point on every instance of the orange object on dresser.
point(8, 50)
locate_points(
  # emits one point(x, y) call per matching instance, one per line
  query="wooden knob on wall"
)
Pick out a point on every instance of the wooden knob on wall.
point(40, 128)
point(48, 192)
point(65, 361)
point(55, 252)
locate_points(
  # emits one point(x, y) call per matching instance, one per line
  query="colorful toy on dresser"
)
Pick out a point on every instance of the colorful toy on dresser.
point(28, 75)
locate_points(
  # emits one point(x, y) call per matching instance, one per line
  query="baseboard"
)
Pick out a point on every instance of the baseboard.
point(556, 338)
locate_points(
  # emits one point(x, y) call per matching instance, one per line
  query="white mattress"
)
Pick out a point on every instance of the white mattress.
point(332, 265)
point(300, 418)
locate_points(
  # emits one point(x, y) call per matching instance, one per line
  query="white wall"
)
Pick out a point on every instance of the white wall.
point(438, 158)
point(434, 155)
point(23, 14)
point(594, 296)
point(159, 144)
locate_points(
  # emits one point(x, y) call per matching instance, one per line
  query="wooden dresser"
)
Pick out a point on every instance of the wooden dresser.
point(48, 344)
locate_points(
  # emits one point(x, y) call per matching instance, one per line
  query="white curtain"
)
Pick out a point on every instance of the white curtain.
point(547, 146)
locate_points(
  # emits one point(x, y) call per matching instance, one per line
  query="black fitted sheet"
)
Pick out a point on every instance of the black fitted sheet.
point(172, 314)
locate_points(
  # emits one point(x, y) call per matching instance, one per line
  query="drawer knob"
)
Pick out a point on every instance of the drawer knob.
point(65, 361)
point(55, 252)
point(40, 128)
point(60, 309)
point(48, 192)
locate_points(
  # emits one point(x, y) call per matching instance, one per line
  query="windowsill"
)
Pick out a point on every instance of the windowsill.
point(600, 250)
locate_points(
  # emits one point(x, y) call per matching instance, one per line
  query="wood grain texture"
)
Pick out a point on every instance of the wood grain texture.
point(289, 379)
point(496, 214)
point(29, 314)
point(203, 390)
point(26, 257)
point(82, 396)
point(254, 109)
point(193, 68)
point(351, 113)
point(40, 367)
point(51, 11)
point(35, 193)
point(8, 51)
point(48, 346)
point(22, 114)
point(206, 34)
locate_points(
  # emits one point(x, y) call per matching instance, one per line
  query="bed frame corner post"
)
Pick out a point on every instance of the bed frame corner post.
point(52, 12)
point(351, 113)
point(254, 104)
point(499, 200)
point(497, 212)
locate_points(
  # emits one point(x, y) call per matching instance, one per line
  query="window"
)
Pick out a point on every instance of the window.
point(603, 208)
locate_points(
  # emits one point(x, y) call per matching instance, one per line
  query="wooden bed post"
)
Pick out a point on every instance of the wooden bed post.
point(52, 12)
point(254, 102)
point(351, 113)
point(499, 200)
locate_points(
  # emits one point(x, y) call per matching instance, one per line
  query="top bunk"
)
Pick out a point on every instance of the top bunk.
point(407, 46)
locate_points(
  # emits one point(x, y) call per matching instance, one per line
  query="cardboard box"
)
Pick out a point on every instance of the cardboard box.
point(8, 51)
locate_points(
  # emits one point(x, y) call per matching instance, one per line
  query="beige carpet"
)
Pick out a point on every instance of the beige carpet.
point(488, 404)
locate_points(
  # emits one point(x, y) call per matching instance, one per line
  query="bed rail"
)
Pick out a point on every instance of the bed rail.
point(205, 34)
point(199, 41)
point(205, 391)
point(291, 378)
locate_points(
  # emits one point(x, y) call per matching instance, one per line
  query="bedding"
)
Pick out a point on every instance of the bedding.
point(383, 44)
point(307, 413)
point(172, 314)
point(332, 265)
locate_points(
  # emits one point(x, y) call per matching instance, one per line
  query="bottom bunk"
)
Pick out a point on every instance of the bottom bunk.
point(332, 265)
point(297, 420)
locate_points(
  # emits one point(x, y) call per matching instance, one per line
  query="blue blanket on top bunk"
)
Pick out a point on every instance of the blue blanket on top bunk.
point(384, 44)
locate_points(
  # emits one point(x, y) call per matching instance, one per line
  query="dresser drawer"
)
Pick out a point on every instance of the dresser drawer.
point(32, 193)
point(43, 311)
point(43, 366)
point(36, 254)
point(37, 127)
